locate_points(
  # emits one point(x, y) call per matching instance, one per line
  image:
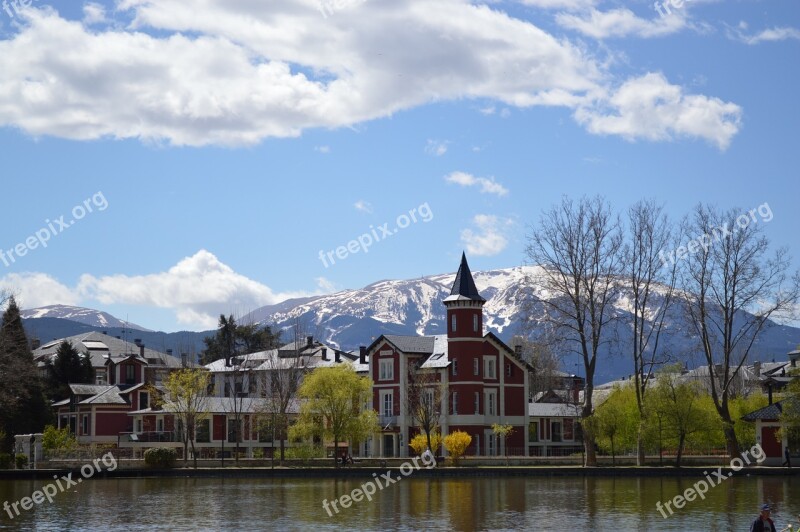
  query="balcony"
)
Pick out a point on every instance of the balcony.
point(388, 421)
point(147, 437)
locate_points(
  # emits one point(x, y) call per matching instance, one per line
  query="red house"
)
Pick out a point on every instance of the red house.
point(486, 383)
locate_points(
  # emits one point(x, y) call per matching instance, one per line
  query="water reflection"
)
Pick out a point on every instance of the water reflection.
point(579, 503)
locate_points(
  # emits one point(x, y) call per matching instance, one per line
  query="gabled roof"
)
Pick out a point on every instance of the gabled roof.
point(411, 344)
point(464, 286)
point(770, 412)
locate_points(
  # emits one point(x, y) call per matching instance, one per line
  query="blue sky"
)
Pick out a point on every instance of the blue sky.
point(230, 142)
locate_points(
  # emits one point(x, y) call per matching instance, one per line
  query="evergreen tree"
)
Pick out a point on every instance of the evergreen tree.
point(23, 408)
point(68, 367)
point(232, 339)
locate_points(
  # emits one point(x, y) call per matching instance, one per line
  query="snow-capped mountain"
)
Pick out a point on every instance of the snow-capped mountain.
point(351, 318)
point(87, 316)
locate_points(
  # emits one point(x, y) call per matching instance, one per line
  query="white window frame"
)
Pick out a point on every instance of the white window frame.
point(477, 403)
point(387, 403)
point(455, 403)
point(454, 366)
point(453, 322)
point(490, 368)
point(386, 370)
point(475, 323)
point(476, 366)
point(491, 403)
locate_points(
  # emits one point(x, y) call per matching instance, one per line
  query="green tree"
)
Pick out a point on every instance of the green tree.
point(790, 417)
point(685, 410)
point(616, 421)
point(54, 439)
point(333, 406)
point(23, 407)
point(68, 367)
point(232, 338)
point(188, 401)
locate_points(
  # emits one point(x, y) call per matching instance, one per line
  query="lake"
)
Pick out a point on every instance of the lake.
point(497, 503)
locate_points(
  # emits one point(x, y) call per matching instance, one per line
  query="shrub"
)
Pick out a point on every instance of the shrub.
point(161, 457)
point(5, 461)
point(21, 460)
point(54, 439)
point(419, 443)
point(456, 444)
point(305, 452)
point(258, 453)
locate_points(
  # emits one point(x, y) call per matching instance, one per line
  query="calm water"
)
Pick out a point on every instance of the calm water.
point(535, 503)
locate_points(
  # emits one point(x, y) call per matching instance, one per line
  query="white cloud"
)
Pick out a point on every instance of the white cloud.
point(37, 290)
point(363, 206)
point(322, 149)
point(767, 35)
point(560, 4)
point(488, 239)
point(199, 288)
point(436, 147)
point(487, 185)
point(234, 73)
point(94, 14)
point(650, 107)
point(621, 22)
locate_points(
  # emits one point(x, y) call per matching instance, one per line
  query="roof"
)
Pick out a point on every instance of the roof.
point(248, 405)
point(439, 357)
point(770, 412)
point(101, 347)
point(464, 285)
point(411, 344)
point(554, 410)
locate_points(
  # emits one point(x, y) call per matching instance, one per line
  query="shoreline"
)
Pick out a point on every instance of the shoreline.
point(367, 472)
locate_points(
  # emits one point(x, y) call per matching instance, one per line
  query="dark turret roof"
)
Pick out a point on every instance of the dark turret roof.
point(464, 285)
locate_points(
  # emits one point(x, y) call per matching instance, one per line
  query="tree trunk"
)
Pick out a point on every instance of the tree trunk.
point(194, 454)
point(731, 442)
point(588, 446)
point(640, 458)
point(681, 442)
point(335, 452)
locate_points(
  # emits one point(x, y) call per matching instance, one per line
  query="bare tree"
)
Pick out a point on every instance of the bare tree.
point(734, 289)
point(578, 248)
point(280, 382)
point(652, 286)
point(538, 354)
point(425, 393)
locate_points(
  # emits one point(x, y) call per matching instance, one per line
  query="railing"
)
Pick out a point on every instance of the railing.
point(147, 437)
point(388, 421)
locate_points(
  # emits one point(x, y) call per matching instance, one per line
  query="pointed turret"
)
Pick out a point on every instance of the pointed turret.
point(464, 305)
point(464, 286)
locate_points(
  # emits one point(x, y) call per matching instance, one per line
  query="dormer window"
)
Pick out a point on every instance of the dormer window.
point(130, 373)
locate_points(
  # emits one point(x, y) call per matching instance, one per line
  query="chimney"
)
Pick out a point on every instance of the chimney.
point(35, 344)
point(169, 352)
point(576, 392)
point(309, 341)
point(105, 332)
point(337, 354)
point(757, 368)
point(141, 349)
point(794, 362)
point(184, 359)
point(769, 392)
point(518, 350)
point(137, 341)
point(324, 353)
point(362, 354)
point(117, 337)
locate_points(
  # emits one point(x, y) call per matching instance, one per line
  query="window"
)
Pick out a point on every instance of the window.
point(427, 398)
point(453, 323)
point(490, 368)
point(477, 445)
point(202, 432)
point(144, 400)
point(388, 404)
point(455, 403)
point(455, 367)
point(476, 367)
point(160, 425)
point(386, 370)
point(555, 435)
point(533, 431)
point(85, 424)
point(490, 441)
point(509, 369)
point(251, 386)
point(491, 400)
point(227, 390)
point(139, 426)
point(477, 402)
point(475, 322)
point(568, 430)
point(130, 373)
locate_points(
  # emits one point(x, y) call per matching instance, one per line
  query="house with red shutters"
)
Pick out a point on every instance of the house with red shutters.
point(484, 381)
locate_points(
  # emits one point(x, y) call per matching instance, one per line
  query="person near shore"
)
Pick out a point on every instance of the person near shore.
point(763, 523)
point(788, 462)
